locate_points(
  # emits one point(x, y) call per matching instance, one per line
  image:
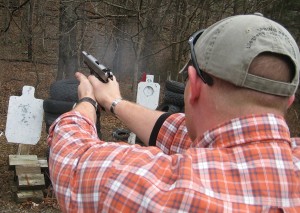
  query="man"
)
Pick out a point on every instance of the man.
point(230, 152)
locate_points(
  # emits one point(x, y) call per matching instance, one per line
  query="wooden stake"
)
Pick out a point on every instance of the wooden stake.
point(23, 149)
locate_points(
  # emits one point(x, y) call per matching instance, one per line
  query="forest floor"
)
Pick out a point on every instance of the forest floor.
point(13, 76)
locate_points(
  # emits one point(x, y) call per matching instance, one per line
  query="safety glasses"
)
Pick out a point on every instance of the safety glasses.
point(204, 76)
point(184, 71)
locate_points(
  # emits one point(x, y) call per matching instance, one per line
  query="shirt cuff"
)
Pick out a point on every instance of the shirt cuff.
point(156, 128)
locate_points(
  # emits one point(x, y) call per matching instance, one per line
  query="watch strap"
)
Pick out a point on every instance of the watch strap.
point(89, 100)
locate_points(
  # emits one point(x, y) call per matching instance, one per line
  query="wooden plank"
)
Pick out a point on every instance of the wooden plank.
point(32, 195)
point(31, 181)
point(28, 169)
point(22, 160)
point(43, 163)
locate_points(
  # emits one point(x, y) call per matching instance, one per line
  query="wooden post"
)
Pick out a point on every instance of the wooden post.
point(23, 149)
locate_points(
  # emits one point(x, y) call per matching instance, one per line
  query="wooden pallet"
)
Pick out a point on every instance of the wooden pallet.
point(29, 180)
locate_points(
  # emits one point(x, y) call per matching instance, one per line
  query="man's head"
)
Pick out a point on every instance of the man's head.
point(249, 62)
point(226, 50)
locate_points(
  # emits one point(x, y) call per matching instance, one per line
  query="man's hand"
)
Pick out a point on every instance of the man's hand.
point(137, 118)
point(85, 88)
point(105, 93)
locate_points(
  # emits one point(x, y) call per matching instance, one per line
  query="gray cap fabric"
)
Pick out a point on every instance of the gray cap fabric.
point(227, 48)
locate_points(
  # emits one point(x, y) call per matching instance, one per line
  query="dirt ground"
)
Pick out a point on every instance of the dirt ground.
point(13, 76)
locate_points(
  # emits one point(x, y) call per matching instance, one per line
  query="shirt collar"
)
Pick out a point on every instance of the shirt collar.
point(252, 128)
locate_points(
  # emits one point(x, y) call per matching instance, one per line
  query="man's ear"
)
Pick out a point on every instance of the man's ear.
point(195, 85)
point(291, 100)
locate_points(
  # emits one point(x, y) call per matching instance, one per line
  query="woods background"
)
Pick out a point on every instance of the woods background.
point(129, 36)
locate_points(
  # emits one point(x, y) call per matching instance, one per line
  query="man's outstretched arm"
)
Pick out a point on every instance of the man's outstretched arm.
point(137, 118)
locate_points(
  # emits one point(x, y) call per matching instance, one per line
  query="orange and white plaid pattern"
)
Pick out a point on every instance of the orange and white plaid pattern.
point(245, 165)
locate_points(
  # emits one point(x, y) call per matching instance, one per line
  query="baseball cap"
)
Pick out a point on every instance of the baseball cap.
point(226, 49)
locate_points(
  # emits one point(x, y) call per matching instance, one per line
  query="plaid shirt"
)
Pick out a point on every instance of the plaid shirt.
point(245, 165)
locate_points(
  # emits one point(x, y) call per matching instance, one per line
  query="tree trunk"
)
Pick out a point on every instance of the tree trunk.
point(138, 51)
point(6, 19)
point(68, 58)
point(119, 41)
point(30, 33)
point(144, 37)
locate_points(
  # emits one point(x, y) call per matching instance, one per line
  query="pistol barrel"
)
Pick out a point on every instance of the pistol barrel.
point(97, 69)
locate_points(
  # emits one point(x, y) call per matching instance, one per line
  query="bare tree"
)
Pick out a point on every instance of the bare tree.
point(131, 36)
point(67, 56)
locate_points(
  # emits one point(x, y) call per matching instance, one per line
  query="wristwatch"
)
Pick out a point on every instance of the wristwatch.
point(88, 99)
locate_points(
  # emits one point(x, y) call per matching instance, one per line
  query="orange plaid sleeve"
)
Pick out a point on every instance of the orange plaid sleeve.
point(173, 135)
point(90, 175)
